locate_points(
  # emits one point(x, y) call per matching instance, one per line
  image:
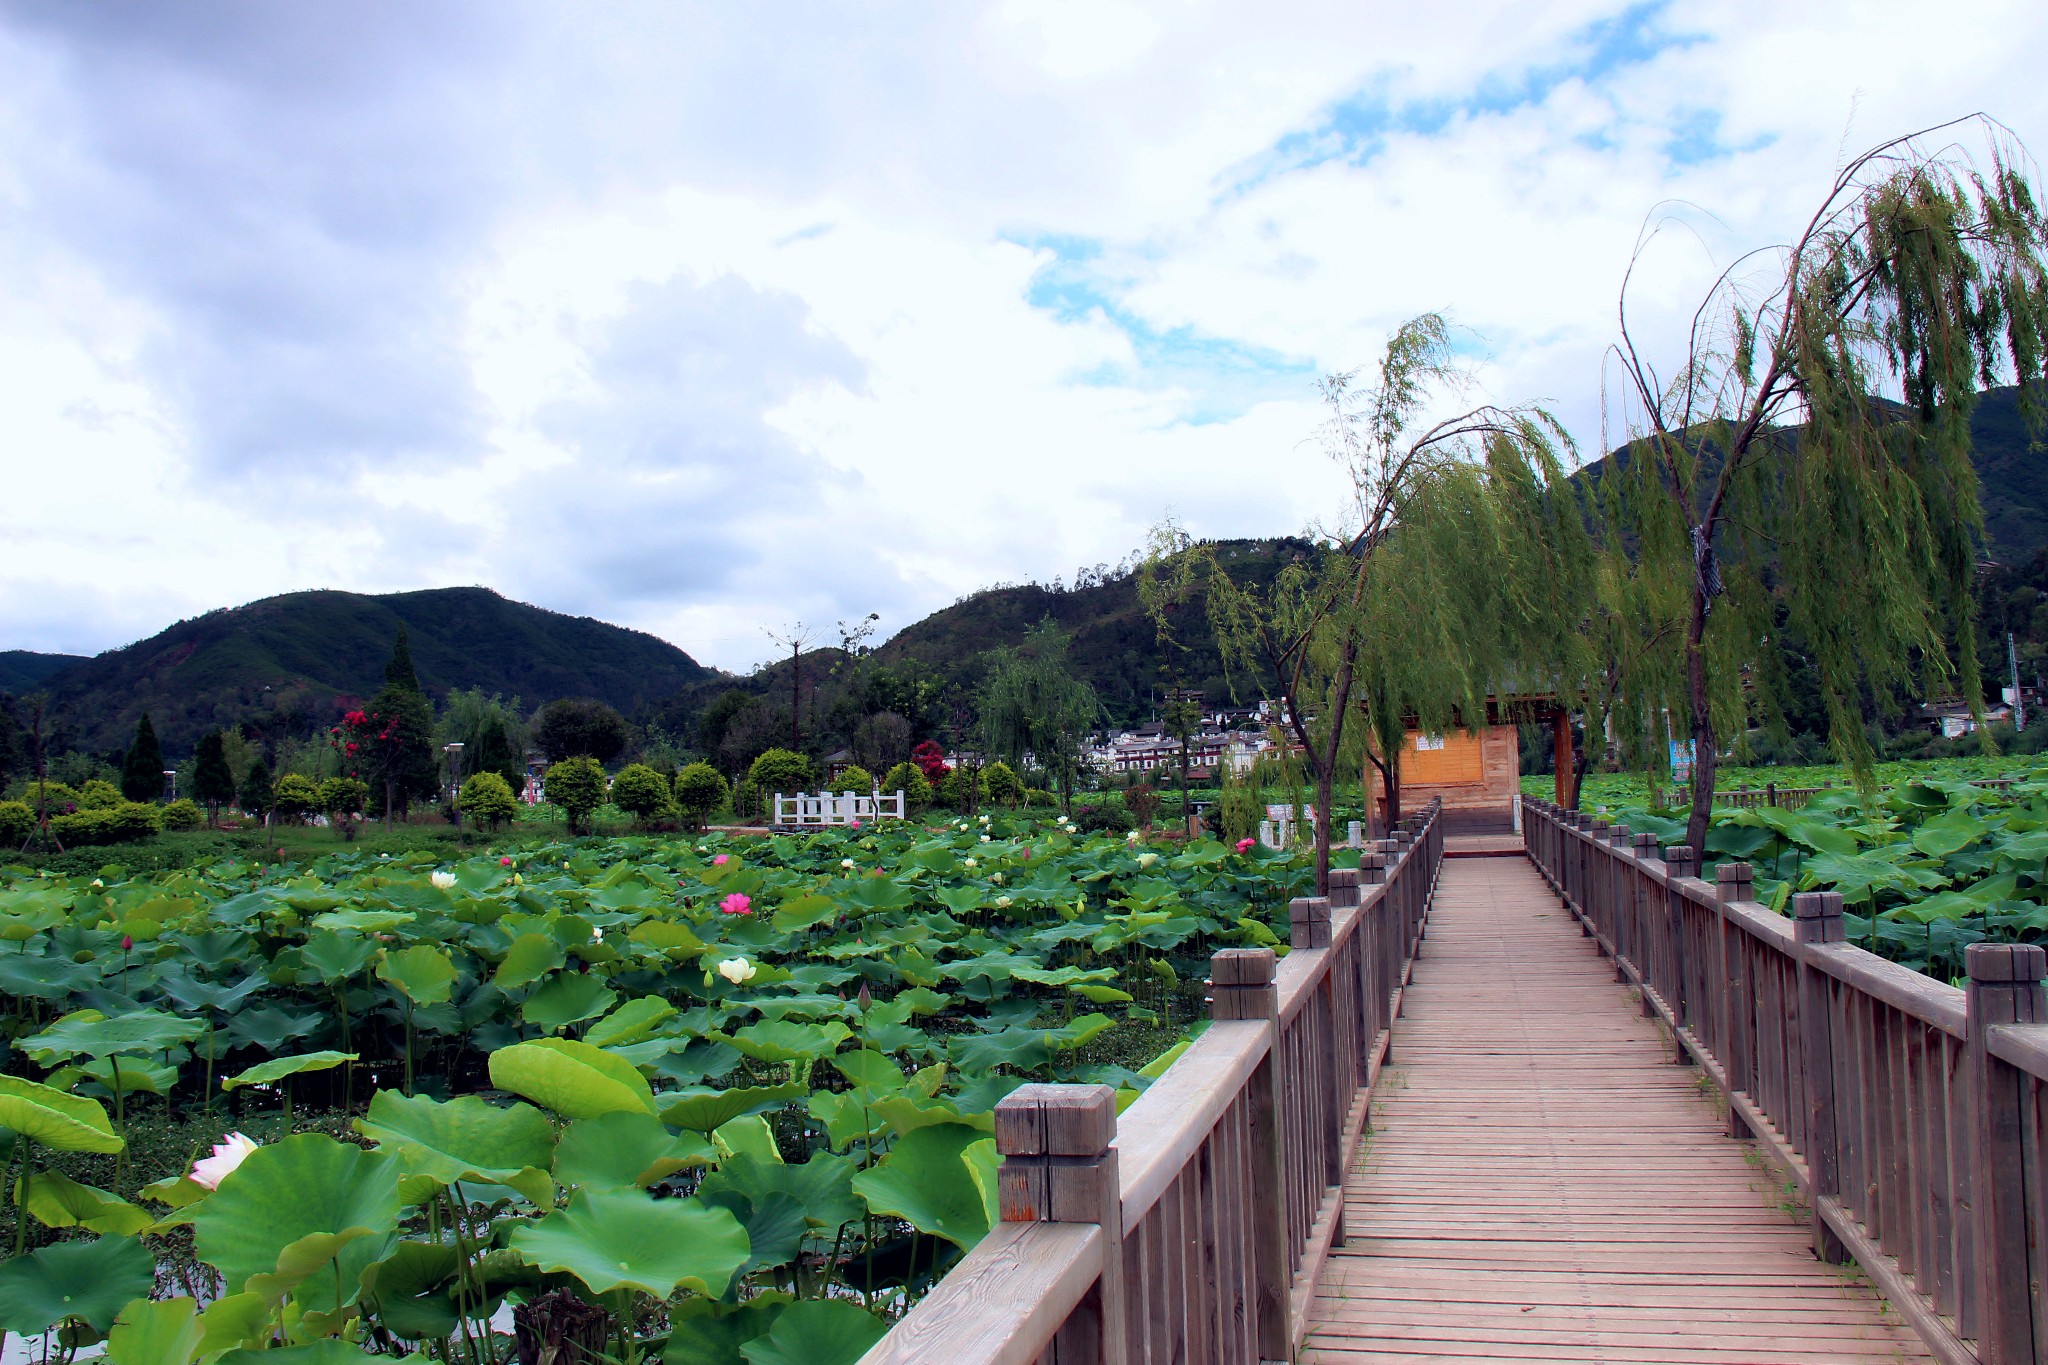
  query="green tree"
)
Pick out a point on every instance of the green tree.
point(399, 673)
point(255, 797)
point(700, 791)
point(780, 770)
point(642, 793)
point(99, 794)
point(492, 736)
point(487, 799)
point(1033, 704)
point(908, 778)
point(853, 778)
point(577, 785)
point(581, 726)
point(142, 771)
point(1005, 788)
point(1919, 279)
point(341, 800)
point(294, 797)
point(1458, 568)
point(213, 781)
point(390, 743)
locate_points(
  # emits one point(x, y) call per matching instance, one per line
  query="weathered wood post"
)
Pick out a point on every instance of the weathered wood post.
point(1679, 864)
point(1059, 1166)
point(2005, 987)
point(1376, 945)
point(1648, 940)
point(1735, 882)
point(1592, 910)
point(1241, 988)
point(1817, 920)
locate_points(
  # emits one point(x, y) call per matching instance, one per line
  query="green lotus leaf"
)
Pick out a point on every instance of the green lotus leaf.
point(572, 1078)
point(568, 998)
point(705, 1110)
point(88, 1033)
point(294, 1207)
point(666, 936)
point(625, 1150)
point(276, 1069)
point(88, 1282)
point(129, 1075)
point(1022, 1048)
point(630, 1023)
point(530, 957)
point(706, 1332)
point(465, 1139)
point(423, 974)
point(327, 1351)
point(337, 957)
point(270, 1029)
point(786, 1041)
point(410, 1288)
point(939, 1179)
point(822, 1187)
point(804, 912)
point(163, 1333)
point(54, 1119)
point(1101, 995)
point(748, 1134)
point(816, 1332)
point(177, 1191)
point(360, 921)
point(870, 1070)
point(623, 1239)
point(235, 1320)
point(58, 1201)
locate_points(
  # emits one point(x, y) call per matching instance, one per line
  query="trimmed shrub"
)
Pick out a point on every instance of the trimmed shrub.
point(1003, 785)
point(182, 814)
point(59, 798)
point(905, 777)
point(1039, 796)
point(780, 770)
point(853, 778)
point(487, 799)
point(99, 794)
point(16, 820)
point(1103, 818)
point(746, 798)
point(952, 789)
point(700, 791)
point(577, 785)
point(125, 823)
point(342, 800)
point(642, 793)
point(295, 796)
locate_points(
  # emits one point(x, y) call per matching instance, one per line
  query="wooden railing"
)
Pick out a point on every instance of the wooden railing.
point(1911, 1114)
point(1193, 1226)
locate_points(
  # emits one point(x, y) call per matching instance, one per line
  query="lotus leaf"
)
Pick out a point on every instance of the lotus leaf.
point(568, 998)
point(423, 974)
point(275, 1070)
point(58, 1201)
point(625, 1150)
point(816, 1332)
point(623, 1239)
point(465, 1139)
point(530, 957)
point(54, 1119)
point(783, 1041)
point(410, 1288)
point(161, 1333)
point(706, 1332)
point(939, 1179)
point(572, 1078)
point(88, 1282)
point(88, 1033)
point(296, 1207)
point(706, 1110)
point(630, 1023)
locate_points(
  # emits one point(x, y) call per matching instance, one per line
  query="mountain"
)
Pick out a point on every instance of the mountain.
point(2012, 469)
point(292, 661)
point(23, 670)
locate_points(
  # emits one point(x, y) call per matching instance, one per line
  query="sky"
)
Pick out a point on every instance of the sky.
point(709, 319)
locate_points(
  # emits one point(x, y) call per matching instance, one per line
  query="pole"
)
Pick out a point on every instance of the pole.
point(2019, 705)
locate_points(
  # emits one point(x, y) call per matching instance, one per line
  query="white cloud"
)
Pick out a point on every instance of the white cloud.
point(705, 320)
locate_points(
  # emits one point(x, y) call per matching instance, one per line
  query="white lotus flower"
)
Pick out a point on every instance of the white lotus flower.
point(444, 880)
point(737, 970)
point(97, 882)
point(1132, 837)
point(971, 863)
point(1002, 902)
point(1147, 859)
point(984, 819)
point(984, 838)
point(847, 863)
point(230, 1152)
point(996, 877)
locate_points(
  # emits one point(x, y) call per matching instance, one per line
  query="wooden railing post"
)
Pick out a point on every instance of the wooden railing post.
point(1736, 882)
point(1817, 919)
point(1059, 1166)
point(1241, 988)
point(1679, 864)
point(1648, 950)
point(2005, 987)
point(1308, 922)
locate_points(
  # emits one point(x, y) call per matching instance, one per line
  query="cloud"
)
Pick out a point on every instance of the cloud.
point(702, 320)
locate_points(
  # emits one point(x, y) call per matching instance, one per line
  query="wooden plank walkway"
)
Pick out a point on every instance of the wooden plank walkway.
point(1543, 1185)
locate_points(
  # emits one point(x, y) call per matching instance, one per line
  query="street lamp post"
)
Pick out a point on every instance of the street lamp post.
point(453, 753)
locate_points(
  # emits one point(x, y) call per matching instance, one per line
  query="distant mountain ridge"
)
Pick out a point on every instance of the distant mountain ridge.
point(23, 670)
point(300, 654)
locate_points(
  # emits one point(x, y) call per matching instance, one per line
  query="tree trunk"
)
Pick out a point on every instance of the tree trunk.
point(1702, 731)
point(1325, 763)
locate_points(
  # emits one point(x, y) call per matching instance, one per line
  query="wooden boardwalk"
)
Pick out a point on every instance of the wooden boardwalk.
point(1543, 1184)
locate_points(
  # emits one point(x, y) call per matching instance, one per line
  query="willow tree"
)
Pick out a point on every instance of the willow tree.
point(1033, 704)
point(1449, 576)
point(1810, 456)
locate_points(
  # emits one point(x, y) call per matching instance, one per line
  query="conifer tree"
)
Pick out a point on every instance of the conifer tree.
point(1810, 454)
point(399, 672)
point(213, 781)
point(142, 772)
point(255, 797)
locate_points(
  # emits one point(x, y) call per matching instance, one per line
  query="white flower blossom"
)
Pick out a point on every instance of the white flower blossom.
point(1133, 837)
point(737, 970)
point(984, 838)
point(1002, 902)
point(847, 863)
point(1147, 859)
point(443, 880)
point(230, 1152)
point(971, 863)
point(996, 877)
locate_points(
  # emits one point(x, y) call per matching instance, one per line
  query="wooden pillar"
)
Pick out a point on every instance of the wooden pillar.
point(1816, 921)
point(1679, 864)
point(1648, 942)
point(1241, 988)
point(1561, 759)
point(1734, 882)
point(2005, 987)
point(1059, 1166)
point(1308, 922)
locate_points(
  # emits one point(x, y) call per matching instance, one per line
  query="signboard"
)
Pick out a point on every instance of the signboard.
point(1681, 761)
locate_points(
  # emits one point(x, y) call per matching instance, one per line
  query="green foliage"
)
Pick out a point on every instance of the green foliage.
point(908, 778)
point(255, 796)
point(125, 823)
point(642, 793)
point(99, 794)
point(746, 798)
point(700, 791)
point(17, 822)
point(581, 727)
point(46, 795)
point(486, 799)
point(780, 770)
point(295, 797)
point(853, 778)
point(577, 785)
point(213, 781)
point(182, 814)
point(340, 797)
point(1032, 702)
point(395, 751)
point(142, 771)
point(1003, 785)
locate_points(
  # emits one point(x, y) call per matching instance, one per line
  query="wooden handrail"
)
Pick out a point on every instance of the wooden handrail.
point(1193, 1226)
point(1910, 1113)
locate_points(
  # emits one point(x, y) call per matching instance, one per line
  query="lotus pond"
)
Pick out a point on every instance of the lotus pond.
point(701, 1100)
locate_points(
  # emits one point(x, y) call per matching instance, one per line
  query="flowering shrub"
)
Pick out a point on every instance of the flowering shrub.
point(930, 759)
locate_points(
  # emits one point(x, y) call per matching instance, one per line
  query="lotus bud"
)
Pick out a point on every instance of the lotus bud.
point(505, 862)
point(97, 882)
point(126, 943)
point(228, 1153)
point(865, 998)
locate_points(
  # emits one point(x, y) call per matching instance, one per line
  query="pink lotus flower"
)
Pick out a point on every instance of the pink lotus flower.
point(1245, 845)
point(856, 824)
point(719, 861)
point(736, 904)
point(504, 862)
point(230, 1152)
